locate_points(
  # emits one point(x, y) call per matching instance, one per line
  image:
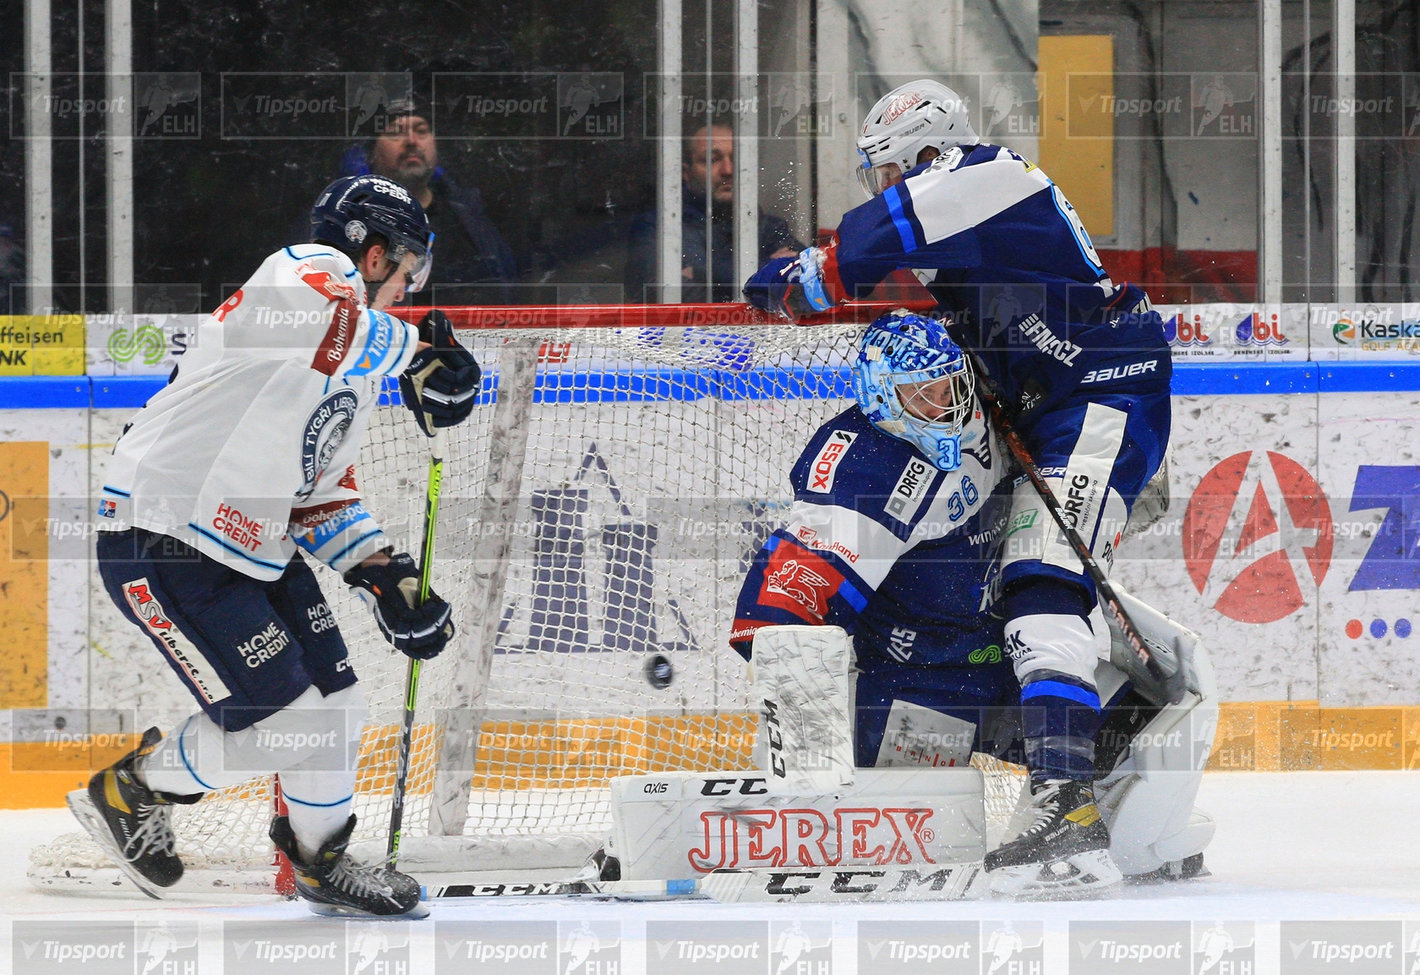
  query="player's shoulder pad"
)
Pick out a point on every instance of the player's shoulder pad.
point(326, 270)
point(849, 461)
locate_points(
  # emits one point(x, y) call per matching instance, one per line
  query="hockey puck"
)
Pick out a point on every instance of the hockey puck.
point(659, 673)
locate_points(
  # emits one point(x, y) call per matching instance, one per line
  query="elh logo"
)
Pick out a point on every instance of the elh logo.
point(1257, 536)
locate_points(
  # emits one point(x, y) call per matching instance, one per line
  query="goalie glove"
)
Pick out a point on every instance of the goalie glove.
point(391, 593)
point(442, 382)
point(796, 287)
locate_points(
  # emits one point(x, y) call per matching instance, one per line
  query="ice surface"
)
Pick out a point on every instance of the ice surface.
point(1291, 847)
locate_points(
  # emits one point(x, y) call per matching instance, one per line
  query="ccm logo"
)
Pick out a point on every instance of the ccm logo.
point(726, 787)
point(826, 463)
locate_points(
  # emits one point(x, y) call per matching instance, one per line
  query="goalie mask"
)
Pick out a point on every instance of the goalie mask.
point(914, 383)
point(349, 210)
point(919, 115)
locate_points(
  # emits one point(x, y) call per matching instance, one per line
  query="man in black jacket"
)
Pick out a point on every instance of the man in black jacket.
point(472, 262)
point(707, 235)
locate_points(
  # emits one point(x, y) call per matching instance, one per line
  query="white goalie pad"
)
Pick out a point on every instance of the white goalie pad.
point(680, 825)
point(1148, 800)
point(802, 682)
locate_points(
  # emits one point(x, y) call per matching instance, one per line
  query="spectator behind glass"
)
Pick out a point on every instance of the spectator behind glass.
point(707, 234)
point(473, 265)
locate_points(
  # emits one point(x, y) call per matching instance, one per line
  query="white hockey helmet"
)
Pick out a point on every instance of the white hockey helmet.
point(908, 119)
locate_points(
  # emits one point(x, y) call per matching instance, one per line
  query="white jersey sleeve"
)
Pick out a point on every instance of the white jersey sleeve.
point(265, 410)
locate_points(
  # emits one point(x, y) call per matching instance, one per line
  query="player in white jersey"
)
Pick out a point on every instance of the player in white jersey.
point(221, 487)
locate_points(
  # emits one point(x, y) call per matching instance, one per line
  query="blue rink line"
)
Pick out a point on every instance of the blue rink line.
point(1189, 379)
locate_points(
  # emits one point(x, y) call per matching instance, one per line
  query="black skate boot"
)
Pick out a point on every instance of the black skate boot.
point(132, 822)
point(338, 885)
point(1065, 852)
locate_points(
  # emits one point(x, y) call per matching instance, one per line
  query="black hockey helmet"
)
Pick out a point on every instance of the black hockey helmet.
point(352, 208)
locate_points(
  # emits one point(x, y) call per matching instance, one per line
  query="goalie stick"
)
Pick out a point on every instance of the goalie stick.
point(817, 885)
point(1170, 685)
point(432, 490)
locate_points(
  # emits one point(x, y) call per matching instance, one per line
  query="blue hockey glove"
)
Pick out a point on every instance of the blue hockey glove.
point(792, 286)
point(442, 382)
point(391, 593)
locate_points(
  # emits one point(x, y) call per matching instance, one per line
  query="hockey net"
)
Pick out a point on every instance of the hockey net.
point(598, 512)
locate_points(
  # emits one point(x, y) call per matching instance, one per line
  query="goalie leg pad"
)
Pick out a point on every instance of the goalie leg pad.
point(675, 825)
point(802, 683)
point(1148, 796)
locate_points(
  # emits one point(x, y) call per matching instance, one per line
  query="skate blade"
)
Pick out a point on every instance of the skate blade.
point(1078, 876)
point(94, 824)
point(416, 913)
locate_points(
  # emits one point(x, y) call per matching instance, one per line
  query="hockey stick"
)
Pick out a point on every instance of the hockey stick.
point(819, 885)
point(1170, 684)
point(432, 491)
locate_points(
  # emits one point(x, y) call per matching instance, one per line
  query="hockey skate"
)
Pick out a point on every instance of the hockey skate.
point(1064, 853)
point(132, 822)
point(337, 885)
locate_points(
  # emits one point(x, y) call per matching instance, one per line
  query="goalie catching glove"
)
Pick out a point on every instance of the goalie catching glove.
point(391, 592)
point(442, 381)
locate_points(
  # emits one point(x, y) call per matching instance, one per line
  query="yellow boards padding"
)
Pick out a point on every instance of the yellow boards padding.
point(24, 574)
point(41, 345)
point(1077, 105)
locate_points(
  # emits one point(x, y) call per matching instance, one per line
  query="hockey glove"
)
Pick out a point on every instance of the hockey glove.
point(793, 286)
point(391, 593)
point(442, 382)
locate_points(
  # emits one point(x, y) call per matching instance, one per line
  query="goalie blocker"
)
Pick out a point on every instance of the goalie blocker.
point(803, 809)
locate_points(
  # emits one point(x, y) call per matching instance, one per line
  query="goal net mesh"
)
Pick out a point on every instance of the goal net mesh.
point(598, 511)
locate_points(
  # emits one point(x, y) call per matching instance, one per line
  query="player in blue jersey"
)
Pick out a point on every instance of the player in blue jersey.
point(1079, 363)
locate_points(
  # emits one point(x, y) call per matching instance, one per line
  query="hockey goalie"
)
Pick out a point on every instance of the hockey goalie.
point(880, 667)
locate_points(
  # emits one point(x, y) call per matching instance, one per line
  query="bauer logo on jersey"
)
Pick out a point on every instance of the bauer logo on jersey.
point(326, 429)
point(183, 653)
point(825, 465)
point(911, 487)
